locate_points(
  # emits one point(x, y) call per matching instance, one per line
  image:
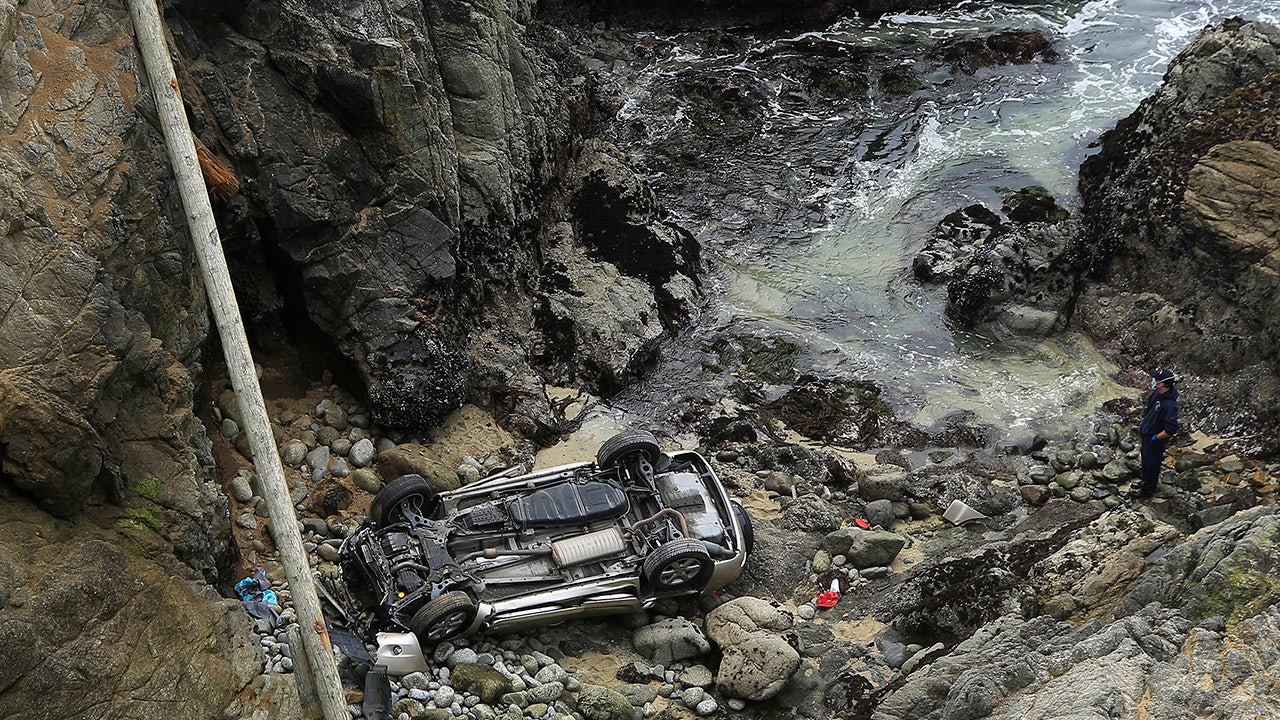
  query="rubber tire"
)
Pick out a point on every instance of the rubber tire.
point(748, 532)
point(445, 617)
point(385, 508)
point(682, 565)
point(623, 444)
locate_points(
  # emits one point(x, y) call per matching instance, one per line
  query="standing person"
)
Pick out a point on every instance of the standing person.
point(1158, 424)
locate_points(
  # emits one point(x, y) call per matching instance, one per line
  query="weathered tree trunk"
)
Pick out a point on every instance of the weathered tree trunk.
point(244, 379)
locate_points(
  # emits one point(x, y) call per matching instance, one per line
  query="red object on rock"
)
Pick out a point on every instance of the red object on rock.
point(862, 523)
point(829, 598)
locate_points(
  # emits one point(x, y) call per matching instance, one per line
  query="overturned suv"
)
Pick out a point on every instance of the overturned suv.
point(513, 550)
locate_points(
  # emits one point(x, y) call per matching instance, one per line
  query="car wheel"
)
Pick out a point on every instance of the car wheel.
point(444, 617)
point(682, 564)
point(386, 508)
point(748, 539)
point(623, 444)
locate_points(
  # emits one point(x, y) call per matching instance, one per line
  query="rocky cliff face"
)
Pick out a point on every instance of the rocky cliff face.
point(415, 191)
point(406, 173)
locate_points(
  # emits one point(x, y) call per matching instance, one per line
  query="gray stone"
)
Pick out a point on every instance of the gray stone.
point(467, 473)
point(821, 561)
point(697, 676)
point(335, 417)
point(1070, 480)
point(546, 693)
point(756, 667)
point(340, 446)
point(883, 482)
point(692, 696)
point(362, 453)
point(338, 467)
point(551, 673)
point(461, 656)
point(229, 428)
point(241, 489)
point(327, 435)
point(881, 513)
point(1116, 471)
point(638, 694)
point(293, 453)
point(864, 548)
point(596, 702)
point(895, 654)
point(744, 616)
point(318, 458)
point(367, 480)
point(670, 640)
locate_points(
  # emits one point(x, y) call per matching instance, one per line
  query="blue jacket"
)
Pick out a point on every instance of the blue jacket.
point(1162, 414)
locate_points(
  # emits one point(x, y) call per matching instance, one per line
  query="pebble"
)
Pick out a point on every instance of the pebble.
point(362, 453)
point(241, 489)
point(551, 673)
point(293, 453)
point(707, 707)
point(806, 611)
point(692, 696)
point(462, 656)
point(367, 480)
point(548, 692)
point(319, 458)
point(341, 446)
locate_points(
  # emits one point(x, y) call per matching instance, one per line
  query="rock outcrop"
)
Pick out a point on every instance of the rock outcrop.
point(1151, 660)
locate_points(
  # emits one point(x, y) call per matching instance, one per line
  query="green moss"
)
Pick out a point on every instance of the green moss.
point(151, 488)
point(139, 518)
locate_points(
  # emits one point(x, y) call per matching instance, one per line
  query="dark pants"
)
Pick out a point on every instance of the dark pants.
point(1152, 458)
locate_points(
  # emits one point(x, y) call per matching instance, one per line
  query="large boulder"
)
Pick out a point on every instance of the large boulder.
point(757, 661)
point(741, 617)
point(669, 640)
point(757, 667)
point(86, 620)
point(864, 548)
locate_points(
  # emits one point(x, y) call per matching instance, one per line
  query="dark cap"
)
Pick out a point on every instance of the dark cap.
point(1162, 375)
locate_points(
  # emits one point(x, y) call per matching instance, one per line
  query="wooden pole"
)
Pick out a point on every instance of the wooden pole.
point(235, 345)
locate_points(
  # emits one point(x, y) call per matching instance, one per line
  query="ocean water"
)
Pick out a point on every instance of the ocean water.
point(836, 278)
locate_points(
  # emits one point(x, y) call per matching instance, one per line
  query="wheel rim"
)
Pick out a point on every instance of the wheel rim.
point(413, 503)
point(449, 625)
point(679, 572)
